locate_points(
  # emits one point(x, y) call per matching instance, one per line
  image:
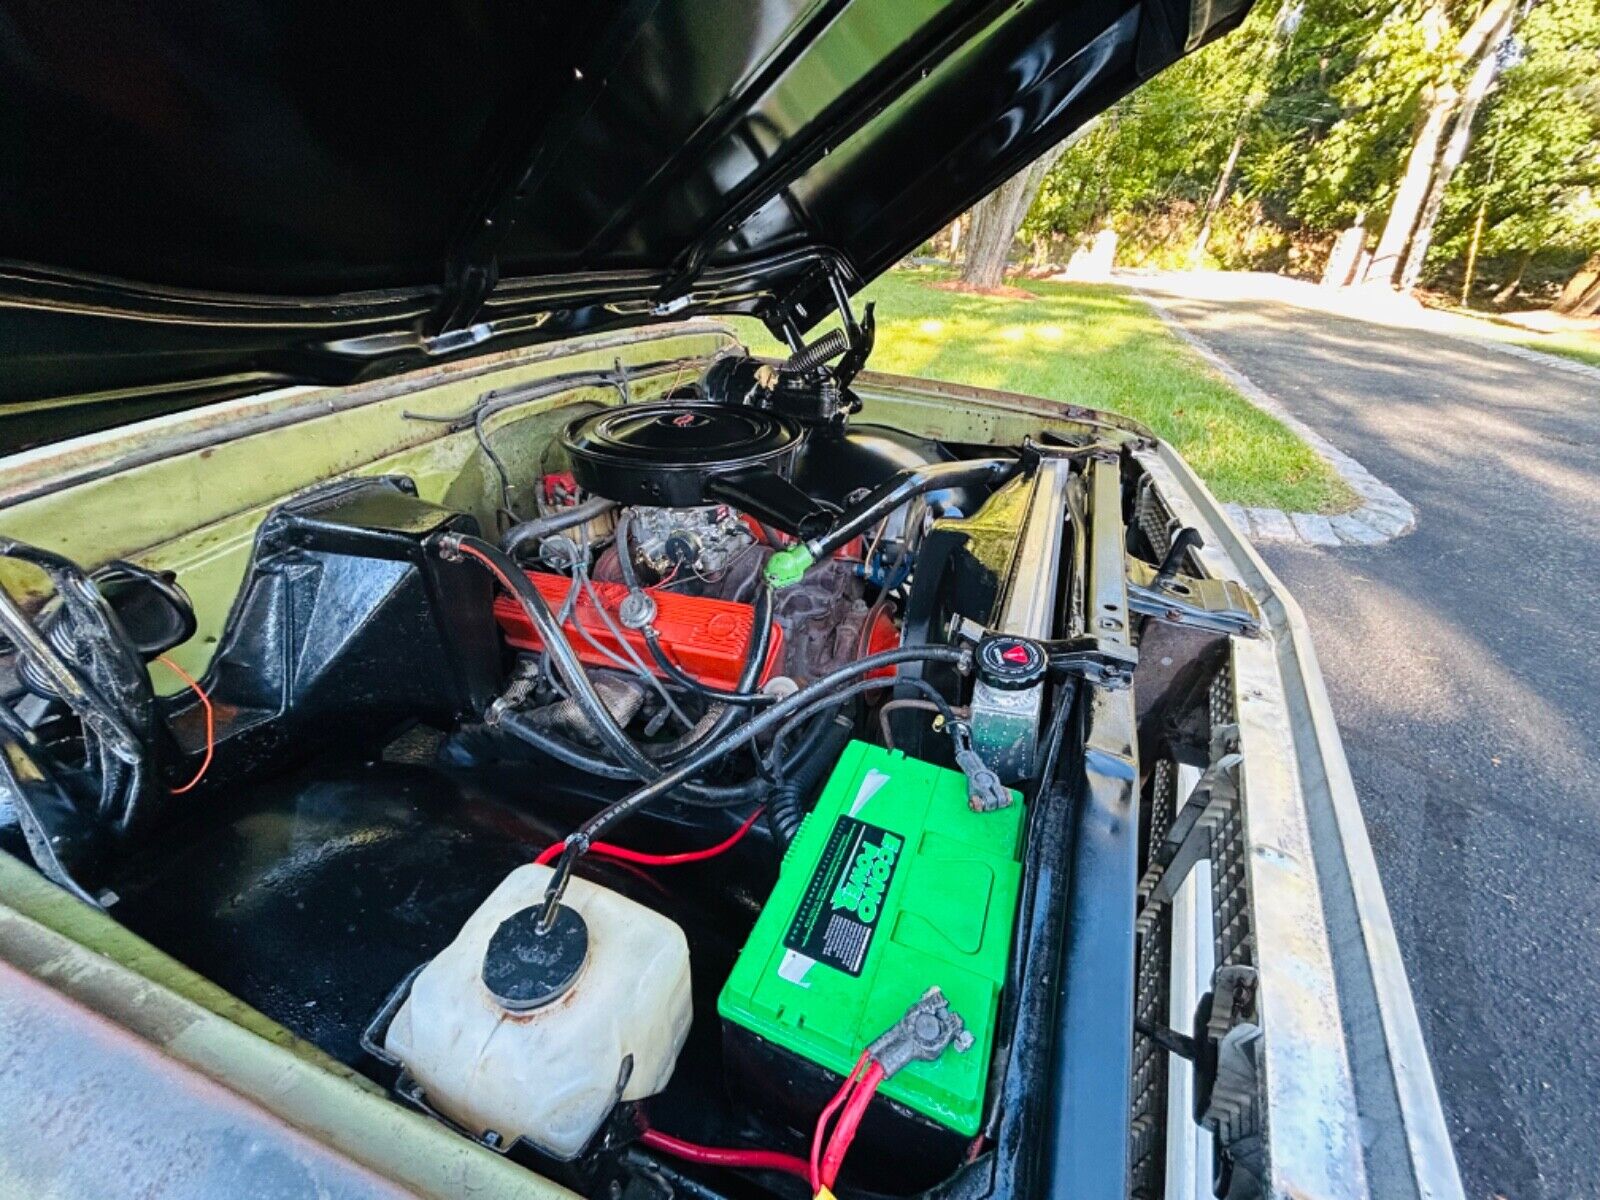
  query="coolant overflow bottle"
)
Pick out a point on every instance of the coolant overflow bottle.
point(1007, 703)
point(526, 1032)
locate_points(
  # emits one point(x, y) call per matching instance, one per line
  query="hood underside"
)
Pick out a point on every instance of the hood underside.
point(243, 194)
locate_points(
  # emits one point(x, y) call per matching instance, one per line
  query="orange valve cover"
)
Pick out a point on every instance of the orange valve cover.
point(707, 638)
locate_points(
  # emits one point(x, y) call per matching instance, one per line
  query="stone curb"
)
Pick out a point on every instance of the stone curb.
point(1383, 515)
point(1532, 354)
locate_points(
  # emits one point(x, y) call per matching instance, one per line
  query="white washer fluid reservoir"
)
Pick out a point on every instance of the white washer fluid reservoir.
point(527, 1032)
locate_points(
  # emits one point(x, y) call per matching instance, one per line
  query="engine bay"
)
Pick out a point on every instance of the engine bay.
point(714, 825)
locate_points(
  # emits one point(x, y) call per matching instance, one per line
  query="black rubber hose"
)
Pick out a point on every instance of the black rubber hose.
point(573, 756)
point(900, 488)
point(521, 534)
point(110, 693)
point(707, 795)
point(830, 688)
point(744, 696)
point(624, 533)
point(697, 794)
point(754, 663)
point(562, 657)
point(789, 800)
point(837, 685)
point(931, 693)
point(78, 596)
point(737, 699)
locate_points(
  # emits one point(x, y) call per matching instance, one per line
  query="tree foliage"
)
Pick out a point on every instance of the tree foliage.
point(1535, 165)
point(1327, 97)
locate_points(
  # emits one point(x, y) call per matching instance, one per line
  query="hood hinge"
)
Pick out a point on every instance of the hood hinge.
point(467, 286)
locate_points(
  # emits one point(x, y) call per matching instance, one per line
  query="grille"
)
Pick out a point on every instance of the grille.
point(1148, 1144)
point(1229, 903)
point(1220, 698)
point(1223, 826)
point(1154, 520)
point(1163, 802)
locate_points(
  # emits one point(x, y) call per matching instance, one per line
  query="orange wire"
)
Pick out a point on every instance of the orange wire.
point(211, 722)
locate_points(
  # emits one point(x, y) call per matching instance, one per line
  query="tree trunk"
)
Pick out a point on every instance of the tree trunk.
point(1440, 102)
point(996, 219)
point(1455, 149)
point(1513, 280)
point(1413, 188)
point(1217, 197)
point(1472, 251)
point(1581, 296)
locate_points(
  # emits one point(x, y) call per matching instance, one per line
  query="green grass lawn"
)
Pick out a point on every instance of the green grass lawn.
point(1576, 344)
point(1581, 347)
point(1099, 347)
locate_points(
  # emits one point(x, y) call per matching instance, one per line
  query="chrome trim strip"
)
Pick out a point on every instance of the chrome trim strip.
point(1194, 961)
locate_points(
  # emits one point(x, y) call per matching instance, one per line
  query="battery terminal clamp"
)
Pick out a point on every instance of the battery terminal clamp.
point(928, 1029)
point(985, 792)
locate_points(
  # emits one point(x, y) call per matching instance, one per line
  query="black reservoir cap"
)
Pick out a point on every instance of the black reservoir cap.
point(1011, 663)
point(526, 966)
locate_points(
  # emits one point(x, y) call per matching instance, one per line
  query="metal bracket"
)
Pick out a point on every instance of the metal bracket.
point(1090, 659)
point(861, 334)
point(1218, 605)
point(1105, 664)
point(408, 1089)
point(468, 282)
point(1228, 1098)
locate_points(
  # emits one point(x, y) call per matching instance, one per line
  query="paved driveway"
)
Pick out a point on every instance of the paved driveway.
point(1464, 666)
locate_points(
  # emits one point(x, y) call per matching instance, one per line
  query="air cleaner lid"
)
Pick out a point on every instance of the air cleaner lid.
point(681, 435)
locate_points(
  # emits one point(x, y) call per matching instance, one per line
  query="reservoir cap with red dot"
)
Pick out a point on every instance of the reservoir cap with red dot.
point(1011, 663)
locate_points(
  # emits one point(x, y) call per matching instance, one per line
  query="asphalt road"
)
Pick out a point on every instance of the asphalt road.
point(1463, 663)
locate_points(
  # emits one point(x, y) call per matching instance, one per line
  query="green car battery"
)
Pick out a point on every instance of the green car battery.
point(892, 885)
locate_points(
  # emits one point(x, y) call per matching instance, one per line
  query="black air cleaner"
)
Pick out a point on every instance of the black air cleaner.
point(691, 455)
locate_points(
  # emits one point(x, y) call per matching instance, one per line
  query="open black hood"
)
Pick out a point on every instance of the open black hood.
point(222, 195)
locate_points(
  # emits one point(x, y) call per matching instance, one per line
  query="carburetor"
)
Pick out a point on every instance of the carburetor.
point(700, 540)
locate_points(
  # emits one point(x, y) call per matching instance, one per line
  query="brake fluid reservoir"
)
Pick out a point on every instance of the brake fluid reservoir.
point(537, 1034)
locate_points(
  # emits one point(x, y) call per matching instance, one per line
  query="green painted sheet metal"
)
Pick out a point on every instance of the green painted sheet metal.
point(192, 499)
point(199, 1028)
point(25, 892)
